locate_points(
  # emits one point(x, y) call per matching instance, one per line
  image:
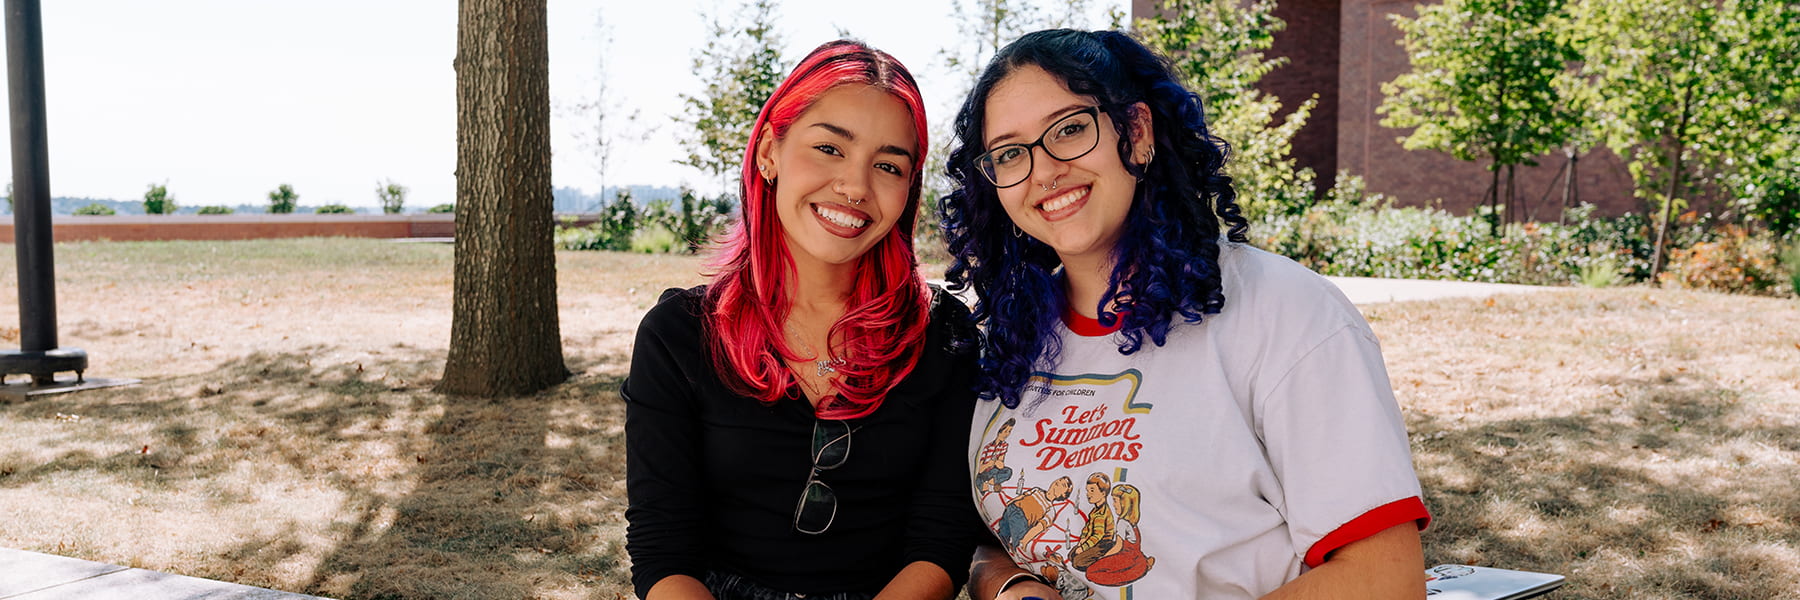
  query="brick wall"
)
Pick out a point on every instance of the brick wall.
point(1343, 50)
point(1310, 44)
point(1370, 55)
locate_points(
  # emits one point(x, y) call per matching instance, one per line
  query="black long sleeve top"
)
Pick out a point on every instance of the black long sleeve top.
point(714, 477)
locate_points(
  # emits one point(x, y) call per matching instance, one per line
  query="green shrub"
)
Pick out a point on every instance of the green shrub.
point(157, 200)
point(334, 209)
point(100, 210)
point(283, 200)
point(657, 239)
point(1338, 237)
point(1736, 260)
point(216, 210)
point(620, 219)
point(1791, 259)
point(392, 196)
point(442, 209)
point(1601, 273)
point(579, 238)
point(700, 219)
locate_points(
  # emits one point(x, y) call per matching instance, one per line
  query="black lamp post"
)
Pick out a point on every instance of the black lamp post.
point(38, 355)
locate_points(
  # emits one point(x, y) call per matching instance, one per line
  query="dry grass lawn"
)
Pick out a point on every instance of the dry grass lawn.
point(1644, 442)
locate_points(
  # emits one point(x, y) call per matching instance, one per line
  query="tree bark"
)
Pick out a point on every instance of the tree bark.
point(1493, 201)
point(1679, 139)
point(504, 335)
point(1568, 196)
point(1514, 215)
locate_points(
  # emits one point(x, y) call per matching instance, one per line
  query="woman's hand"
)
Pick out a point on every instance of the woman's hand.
point(993, 569)
point(1029, 589)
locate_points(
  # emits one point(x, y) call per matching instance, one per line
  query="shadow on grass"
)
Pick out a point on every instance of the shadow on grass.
point(439, 497)
point(1679, 490)
point(512, 497)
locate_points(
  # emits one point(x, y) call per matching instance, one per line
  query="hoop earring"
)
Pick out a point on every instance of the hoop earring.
point(1016, 232)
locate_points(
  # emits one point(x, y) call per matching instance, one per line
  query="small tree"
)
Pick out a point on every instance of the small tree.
point(701, 218)
point(216, 210)
point(157, 200)
point(392, 196)
point(1481, 87)
point(1690, 92)
point(607, 127)
point(618, 221)
point(1217, 46)
point(741, 65)
point(440, 209)
point(333, 209)
point(283, 200)
point(96, 209)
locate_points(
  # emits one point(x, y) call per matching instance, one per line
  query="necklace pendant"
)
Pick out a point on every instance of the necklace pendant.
point(827, 367)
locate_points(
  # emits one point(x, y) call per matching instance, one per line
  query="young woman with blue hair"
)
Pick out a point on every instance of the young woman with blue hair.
point(1135, 341)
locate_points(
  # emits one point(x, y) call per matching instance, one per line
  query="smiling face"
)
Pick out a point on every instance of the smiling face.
point(842, 174)
point(1083, 215)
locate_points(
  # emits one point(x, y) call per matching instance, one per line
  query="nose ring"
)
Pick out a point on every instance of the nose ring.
point(837, 187)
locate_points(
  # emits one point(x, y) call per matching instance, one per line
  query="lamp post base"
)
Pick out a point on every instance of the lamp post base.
point(43, 366)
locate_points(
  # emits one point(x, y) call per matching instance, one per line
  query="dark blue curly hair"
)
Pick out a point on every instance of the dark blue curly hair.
point(1166, 263)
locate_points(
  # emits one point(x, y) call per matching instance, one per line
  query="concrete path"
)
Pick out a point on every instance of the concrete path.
point(1367, 290)
point(33, 576)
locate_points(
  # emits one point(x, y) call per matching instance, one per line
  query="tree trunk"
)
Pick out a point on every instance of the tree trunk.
point(1568, 185)
point(1678, 139)
point(1514, 213)
point(504, 336)
point(1493, 202)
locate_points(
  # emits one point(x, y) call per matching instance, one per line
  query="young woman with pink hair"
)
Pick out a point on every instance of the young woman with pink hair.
point(795, 427)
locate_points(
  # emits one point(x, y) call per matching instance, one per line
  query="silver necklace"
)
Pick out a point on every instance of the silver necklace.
point(827, 367)
point(821, 367)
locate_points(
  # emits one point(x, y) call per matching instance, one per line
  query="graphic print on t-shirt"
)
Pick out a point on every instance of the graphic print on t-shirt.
point(1073, 530)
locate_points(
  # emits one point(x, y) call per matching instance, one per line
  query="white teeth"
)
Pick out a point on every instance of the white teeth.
point(840, 218)
point(1064, 201)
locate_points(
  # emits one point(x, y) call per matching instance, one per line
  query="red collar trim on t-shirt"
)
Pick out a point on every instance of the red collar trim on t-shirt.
point(1086, 327)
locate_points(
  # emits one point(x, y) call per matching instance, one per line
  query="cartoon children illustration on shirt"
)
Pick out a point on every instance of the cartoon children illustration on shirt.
point(1126, 562)
point(1097, 536)
point(1027, 516)
point(990, 468)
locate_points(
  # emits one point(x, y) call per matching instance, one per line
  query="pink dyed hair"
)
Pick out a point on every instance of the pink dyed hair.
point(883, 327)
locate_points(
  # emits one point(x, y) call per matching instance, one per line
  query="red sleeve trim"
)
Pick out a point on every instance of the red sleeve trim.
point(1377, 520)
point(1086, 327)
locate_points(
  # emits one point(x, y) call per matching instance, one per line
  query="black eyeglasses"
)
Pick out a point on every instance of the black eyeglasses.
point(1071, 137)
point(818, 504)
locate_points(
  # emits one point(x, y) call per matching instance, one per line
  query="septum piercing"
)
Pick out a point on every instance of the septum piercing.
point(1052, 184)
point(837, 187)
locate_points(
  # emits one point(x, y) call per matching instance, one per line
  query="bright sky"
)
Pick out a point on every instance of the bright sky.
point(223, 100)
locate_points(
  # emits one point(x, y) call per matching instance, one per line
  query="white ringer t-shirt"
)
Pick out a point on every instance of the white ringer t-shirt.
point(1220, 465)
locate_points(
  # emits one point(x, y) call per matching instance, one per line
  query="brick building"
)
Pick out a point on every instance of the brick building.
point(1343, 50)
